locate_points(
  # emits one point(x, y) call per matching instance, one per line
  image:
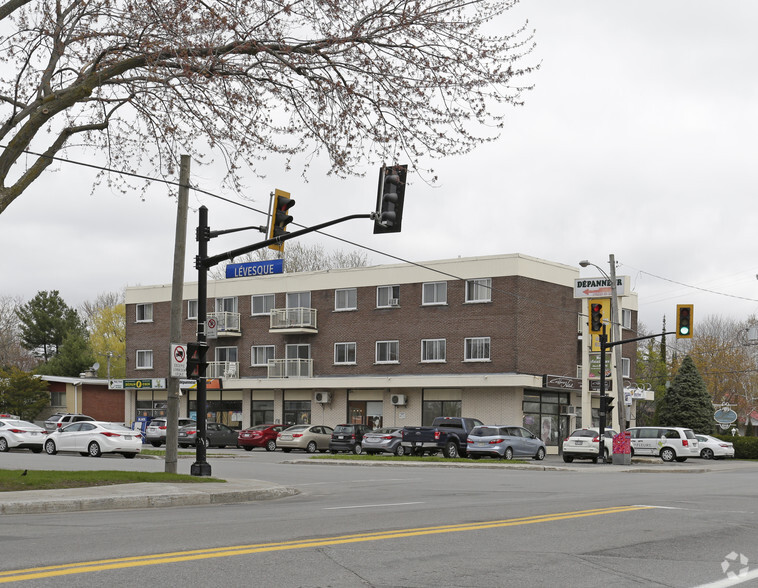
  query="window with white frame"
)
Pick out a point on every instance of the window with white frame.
point(144, 359)
point(626, 366)
point(479, 290)
point(626, 318)
point(226, 304)
point(387, 351)
point(261, 354)
point(387, 296)
point(433, 350)
point(434, 293)
point(298, 299)
point(225, 354)
point(346, 299)
point(344, 353)
point(261, 304)
point(477, 349)
point(192, 310)
point(144, 313)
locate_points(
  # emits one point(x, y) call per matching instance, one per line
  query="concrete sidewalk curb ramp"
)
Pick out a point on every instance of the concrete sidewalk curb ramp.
point(142, 495)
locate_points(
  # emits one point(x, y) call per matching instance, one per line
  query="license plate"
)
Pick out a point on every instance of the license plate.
point(578, 442)
point(480, 444)
point(128, 437)
point(341, 437)
point(286, 438)
point(182, 434)
point(35, 433)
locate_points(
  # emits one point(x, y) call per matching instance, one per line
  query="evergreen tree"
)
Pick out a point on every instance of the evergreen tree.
point(687, 402)
point(44, 322)
point(22, 394)
point(74, 357)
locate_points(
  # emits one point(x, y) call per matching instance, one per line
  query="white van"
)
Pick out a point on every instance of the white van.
point(668, 443)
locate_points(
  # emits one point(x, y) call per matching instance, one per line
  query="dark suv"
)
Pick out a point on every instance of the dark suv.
point(348, 438)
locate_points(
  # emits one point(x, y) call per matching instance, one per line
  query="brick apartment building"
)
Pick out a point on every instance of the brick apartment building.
point(387, 345)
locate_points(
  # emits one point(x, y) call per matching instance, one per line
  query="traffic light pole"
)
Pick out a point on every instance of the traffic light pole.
point(201, 467)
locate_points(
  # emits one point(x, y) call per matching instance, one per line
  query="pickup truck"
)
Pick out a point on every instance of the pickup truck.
point(447, 434)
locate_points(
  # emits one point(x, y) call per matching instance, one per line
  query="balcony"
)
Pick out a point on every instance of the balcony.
point(223, 369)
point(298, 321)
point(227, 323)
point(290, 368)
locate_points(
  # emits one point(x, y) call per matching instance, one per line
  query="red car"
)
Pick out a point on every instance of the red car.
point(259, 436)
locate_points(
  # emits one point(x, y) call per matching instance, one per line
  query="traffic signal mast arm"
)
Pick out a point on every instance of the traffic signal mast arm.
point(211, 261)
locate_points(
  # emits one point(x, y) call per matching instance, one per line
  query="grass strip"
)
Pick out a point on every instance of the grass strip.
point(14, 480)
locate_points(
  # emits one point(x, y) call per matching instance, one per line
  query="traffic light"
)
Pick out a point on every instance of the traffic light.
point(196, 363)
point(279, 217)
point(389, 199)
point(606, 405)
point(684, 321)
point(598, 313)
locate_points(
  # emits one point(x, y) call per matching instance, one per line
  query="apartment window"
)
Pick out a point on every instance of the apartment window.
point(262, 304)
point(300, 351)
point(144, 359)
point(298, 299)
point(144, 313)
point(479, 290)
point(434, 293)
point(346, 299)
point(261, 354)
point(433, 350)
point(228, 304)
point(192, 310)
point(58, 398)
point(387, 296)
point(387, 351)
point(344, 353)
point(626, 318)
point(477, 349)
point(225, 354)
point(626, 365)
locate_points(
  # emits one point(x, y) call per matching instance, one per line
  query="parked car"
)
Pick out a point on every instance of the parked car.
point(62, 419)
point(348, 438)
point(585, 443)
point(712, 448)
point(310, 438)
point(155, 433)
point(259, 436)
point(384, 440)
point(668, 443)
point(216, 435)
point(446, 434)
point(94, 438)
point(19, 434)
point(504, 442)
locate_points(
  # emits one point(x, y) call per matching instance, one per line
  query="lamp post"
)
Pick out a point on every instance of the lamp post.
point(615, 334)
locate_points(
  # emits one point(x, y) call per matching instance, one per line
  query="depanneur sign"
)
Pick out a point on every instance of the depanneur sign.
point(600, 287)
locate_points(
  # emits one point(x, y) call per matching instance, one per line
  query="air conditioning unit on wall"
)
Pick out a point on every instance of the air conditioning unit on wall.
point(322, 397)
point(399, 400)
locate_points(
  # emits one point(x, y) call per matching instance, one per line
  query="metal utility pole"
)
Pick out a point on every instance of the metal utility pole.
point(177, 295)
point(616, 337)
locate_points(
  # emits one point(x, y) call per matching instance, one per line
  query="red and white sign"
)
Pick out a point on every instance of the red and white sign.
point(178, 360)
point(600, 287)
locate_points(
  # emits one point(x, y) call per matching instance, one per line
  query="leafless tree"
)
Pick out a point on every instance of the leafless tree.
point(146, 80)
point(12, 353)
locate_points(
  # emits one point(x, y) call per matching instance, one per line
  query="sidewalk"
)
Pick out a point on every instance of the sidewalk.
point(144, 495)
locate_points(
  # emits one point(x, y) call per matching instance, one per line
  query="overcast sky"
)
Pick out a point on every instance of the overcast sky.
point(639, 139)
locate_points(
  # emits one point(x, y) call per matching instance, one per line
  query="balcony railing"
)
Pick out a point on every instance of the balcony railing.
point(293, 320)
point(290, 368)
point(223, 369)
point(227, 323)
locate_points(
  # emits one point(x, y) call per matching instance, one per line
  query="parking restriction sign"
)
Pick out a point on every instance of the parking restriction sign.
point(178, 360)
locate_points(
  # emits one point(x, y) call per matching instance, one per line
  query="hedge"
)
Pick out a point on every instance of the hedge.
point(744, 447)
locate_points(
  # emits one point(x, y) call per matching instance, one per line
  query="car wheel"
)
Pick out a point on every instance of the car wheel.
point(50, 447)
point(707, 453)
point(248, 448)
point(271, 445)
point(358, 449)
point(508, 454)
point(568, 458)
point(286, 449)
point(399, 450)
point(668, 454)
point(3, 444)
point(451, 450)
point(312, 447)
point(540, 454)
point(129, 455)
point(94, 449)
point(156, 443)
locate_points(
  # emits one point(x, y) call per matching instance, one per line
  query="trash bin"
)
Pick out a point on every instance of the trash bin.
point(622, 449)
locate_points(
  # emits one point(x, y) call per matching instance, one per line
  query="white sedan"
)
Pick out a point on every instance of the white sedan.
point(712, 448)
point(20, 434)
point(94, 438)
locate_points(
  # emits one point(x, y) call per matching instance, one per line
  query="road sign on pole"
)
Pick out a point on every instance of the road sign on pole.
point(212, 330)
point(178, 360)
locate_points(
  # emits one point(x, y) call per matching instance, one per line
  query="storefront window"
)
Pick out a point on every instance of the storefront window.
point(262, 412)
point(220, 410)
point(431, 409)
point(542, 415)
point(297, 412)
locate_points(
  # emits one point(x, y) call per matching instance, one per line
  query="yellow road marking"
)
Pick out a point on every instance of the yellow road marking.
point(199, 554)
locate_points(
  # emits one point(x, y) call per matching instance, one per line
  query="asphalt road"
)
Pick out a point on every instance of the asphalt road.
point(402, 526)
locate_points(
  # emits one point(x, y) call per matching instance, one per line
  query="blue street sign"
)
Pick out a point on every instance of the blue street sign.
point(255, 268)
